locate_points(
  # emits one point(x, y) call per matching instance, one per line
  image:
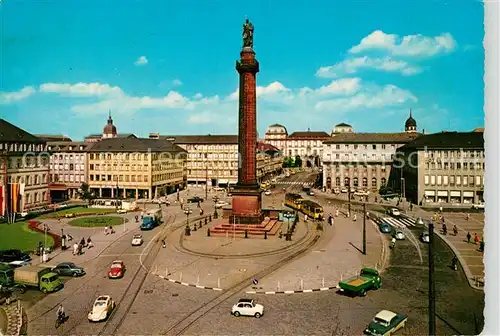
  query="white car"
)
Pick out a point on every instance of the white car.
point(267, 193)
point(102, 308)
point(395, 212)
point(424, 237)
point(137, 240)
point(220, 204)
point(247, 307)
point(399, 235)
point(420, 221)
point(121, 211)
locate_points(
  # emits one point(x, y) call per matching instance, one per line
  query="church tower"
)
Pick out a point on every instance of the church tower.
point(110, 129)
point(410, 124)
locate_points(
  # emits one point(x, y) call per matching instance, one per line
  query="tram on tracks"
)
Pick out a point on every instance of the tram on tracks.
point(307, 207)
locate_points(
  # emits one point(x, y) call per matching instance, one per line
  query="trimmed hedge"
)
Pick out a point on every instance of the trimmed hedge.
point(33, 225)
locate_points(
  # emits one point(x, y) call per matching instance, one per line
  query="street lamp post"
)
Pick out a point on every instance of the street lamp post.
point(187, 231)
point(364, 228)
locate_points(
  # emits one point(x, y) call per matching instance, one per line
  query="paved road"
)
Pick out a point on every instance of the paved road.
point(79, 294)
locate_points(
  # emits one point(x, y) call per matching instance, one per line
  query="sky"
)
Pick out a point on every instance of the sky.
point(169, 66)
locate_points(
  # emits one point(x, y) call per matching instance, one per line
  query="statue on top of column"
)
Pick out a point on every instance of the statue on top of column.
point(247, 34)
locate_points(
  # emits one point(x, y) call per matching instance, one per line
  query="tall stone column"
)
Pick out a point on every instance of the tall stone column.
point(247, 201)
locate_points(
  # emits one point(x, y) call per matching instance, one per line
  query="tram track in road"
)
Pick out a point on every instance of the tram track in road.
point(188, 321)
point(78, 320)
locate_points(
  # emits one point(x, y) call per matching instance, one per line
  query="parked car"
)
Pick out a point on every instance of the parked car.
point(116, 270)
point(343, 191)
point(424, 237)
point(137, 240)
point(102, 308)
point(8, 256)
point(69, 269)
point(195, 199)
point(386, 323)
point(384, 228)
point(394, 212)
point(399, 235)
point(247, 307)
point(121, 211)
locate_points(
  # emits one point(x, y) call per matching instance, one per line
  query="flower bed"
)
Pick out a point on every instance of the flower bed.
point(34, 226)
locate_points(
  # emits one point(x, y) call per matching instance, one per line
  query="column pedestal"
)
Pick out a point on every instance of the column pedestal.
point(246, 205)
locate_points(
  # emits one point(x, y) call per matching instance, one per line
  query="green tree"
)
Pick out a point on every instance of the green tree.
point(287, 162)
point(85, 193)
point(298, 161)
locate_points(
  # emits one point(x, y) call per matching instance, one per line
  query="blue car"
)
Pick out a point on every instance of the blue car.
point(385, 228)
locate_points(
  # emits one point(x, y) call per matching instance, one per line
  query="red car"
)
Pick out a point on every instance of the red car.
point(117, 270)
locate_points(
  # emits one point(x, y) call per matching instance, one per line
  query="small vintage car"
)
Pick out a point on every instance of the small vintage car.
point(386, 323)
point(247, 307)
point(399, 235)
point(394, 212)
point(267, 192)
point(116, 270)
point(137, 240)
point(424, 237)
point(102, 308)
point(419, 221)
point(384, 228)
point(69, 269)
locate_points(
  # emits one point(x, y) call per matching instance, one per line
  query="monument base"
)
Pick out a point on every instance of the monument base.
point(247, 205)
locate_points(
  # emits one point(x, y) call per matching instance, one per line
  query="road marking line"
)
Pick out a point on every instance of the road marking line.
point(251, 292)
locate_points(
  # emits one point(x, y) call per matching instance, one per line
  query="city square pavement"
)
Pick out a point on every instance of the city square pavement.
point(216, 263)
point(337, 256)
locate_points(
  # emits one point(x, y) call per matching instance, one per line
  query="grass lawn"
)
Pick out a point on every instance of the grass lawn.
point(75, 210)
point(97, 221)
point(19, 236)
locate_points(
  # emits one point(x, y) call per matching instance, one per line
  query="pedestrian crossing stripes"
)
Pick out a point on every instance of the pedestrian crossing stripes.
point(401, 222)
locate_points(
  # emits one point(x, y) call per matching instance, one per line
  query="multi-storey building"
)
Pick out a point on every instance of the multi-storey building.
point(135, 168)
point(277, 135)
point(24, 166)
point(362, 160)
point(442, 168)
point(68, 168)
point(213, 159)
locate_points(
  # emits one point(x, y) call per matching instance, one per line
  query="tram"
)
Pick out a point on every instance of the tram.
point(312, 209)
point(294, 201)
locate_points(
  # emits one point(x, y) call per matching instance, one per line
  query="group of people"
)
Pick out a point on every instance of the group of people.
point(78, 247)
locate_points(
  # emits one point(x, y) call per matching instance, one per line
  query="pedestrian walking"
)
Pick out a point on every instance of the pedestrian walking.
point(468, 237)
point(441, 209)
point(476, 239)
point(411, 206)
point(75, 248)
point(106, 230)
point(305, 218)
point(337, 213)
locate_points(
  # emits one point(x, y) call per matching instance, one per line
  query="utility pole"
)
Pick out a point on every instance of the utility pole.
point(364, 228)
point(432, 289)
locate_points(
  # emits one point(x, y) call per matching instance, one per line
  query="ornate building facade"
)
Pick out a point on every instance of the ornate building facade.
point(362, 161)
point(24, 166)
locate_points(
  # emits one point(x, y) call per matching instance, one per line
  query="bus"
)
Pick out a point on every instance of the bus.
point(312, 209)
point(294, 201)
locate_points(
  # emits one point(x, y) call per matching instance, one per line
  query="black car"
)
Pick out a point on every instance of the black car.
point(8, 256)
point(195, 199)
point(69, 269)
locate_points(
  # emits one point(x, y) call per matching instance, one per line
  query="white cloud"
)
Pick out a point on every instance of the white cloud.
point(410, 45)
point(82, 89)
point(374, 97)
point(344, 86)
point(141, 61)
point(10, 97)
point(176, 82)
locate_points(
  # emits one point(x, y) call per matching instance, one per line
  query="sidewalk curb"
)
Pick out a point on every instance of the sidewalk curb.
point(190, 285)
point(322, 289)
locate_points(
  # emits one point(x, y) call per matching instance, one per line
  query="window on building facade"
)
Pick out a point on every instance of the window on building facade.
point(346, 181)
point(426, 179)
point(433, 179)
point(383, 181)
point(478, 180)
point(374, 182)
point(337, 181)
point(458, 180)
point(374, 146)
point(471, 181)
point(365, 182)
point(439, 179)
point(452, 179)
point(445, 180)
point(355, 181)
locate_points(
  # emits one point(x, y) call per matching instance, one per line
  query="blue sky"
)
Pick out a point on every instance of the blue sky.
point(169, 66)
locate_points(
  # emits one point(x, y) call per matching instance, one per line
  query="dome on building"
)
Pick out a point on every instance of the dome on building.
point(109, 130)
point(276, 129)
point(410, 124)
point(342, 128)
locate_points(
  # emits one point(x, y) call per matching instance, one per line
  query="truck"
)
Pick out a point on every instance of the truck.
point(40, 277)
point(151, 219)
point(367, 279)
